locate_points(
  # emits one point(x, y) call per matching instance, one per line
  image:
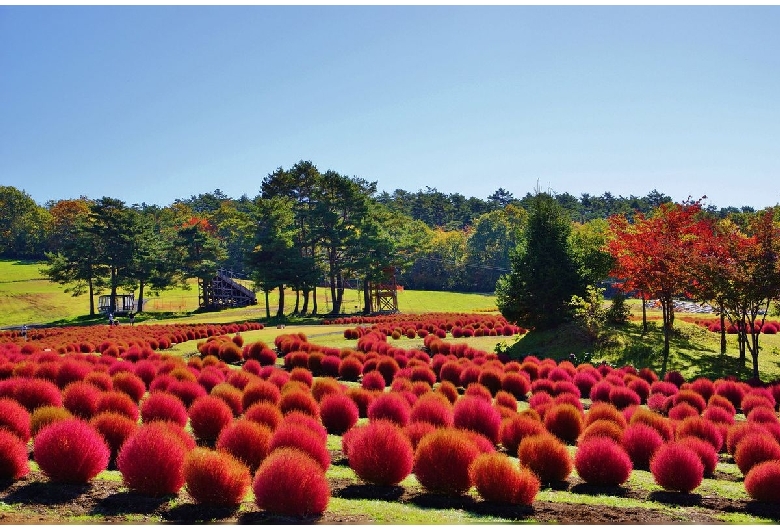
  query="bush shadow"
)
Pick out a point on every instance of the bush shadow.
point(440, 501)
point(194, 513)
point(675, 498)
point(593, 489)
point(370, 492)
point(263, 517)
point(128, 503)
point(47, 493)
point(764, 510)
point(512, 512)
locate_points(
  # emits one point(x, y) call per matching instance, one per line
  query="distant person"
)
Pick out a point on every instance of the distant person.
point(111, 319)
point(132, 318)
point(24, 331)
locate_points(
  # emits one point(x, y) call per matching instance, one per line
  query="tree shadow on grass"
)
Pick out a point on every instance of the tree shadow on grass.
point(675, 498)
point(47, 493)
point(592, 489)
point(370, 492)
point(128, 503)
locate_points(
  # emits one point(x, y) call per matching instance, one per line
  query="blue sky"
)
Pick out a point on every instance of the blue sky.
point(150, 104)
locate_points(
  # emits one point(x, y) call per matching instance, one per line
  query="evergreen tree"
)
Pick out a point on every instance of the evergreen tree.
point(544, 274)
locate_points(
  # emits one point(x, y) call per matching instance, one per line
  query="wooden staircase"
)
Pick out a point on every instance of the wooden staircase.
point(224, 291)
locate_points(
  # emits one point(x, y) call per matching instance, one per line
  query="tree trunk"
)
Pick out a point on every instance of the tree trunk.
point(722, 331)
point(366, 297)
point(305, 307)
point(644, 315)
point(140, 306)
point(91, 298)
point(297, 301)
point(333, 292)
point(112, 304)
point(667, 307)
point(280, 311)
point(314, 301)
point(267, 305)
point(337, 302)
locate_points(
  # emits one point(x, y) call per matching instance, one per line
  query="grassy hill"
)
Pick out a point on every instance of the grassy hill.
point(26, 297)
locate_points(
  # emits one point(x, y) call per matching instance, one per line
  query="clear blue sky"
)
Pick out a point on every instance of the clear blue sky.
point(150, 104)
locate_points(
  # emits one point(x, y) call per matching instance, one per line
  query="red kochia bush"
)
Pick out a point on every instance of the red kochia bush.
point(514, 429)
point(265, 414)
point(380, 453)
point(754, 448)
point(677, 468)
point(641, 442)
point(152, 460)
point(498, 479)
point(601, 461)
point(433, 408)
point(70, 451)
point(163, 406)
point(477, 415)
point(115, 429)
point(120, 402)
point(302, 438)
point(215, 477)
point(338, 413)
point(707, 454)
point(602, 428)
point(701, 428)
point(392, 407)
point(565, 422)
point(14, 418)
point(546, 456)
point(517, 384)
point(289, 482)
point(13, 456)
point(442, 460)
point(130, 384)
point(762, 482)
point(81, 399)
point(300, 401)
point(208, 416)
point(623, 397)
point(246, 440)
point(34, 393)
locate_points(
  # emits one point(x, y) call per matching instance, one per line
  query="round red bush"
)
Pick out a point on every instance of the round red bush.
point(762, 414)
point(338, 413)
point(13, 456)
point(120, 402)
point(602, 461)
point(701, 428)
point(115, 429)
point(442, 460)
point(517, 384)
point(247, 441)
point(302, 438)
point(70, 451)
point(380, 453)
point(130, 384)
point(264, 413)
point(391, 406)
point(433, 408)
point(564, 421)
point(215, 477)
point(208, 416)
point(605, 411)
point(707, 454)
point(260, 391)
point(754, 448)
point(515, 429)
point(602, 428)
point(478, 415)
point(731, 391)
point(675, 467)
point(690, 397)
point(656, 421)
point(81, 399)
point(546, 456)
point(416, 430)
point(34, 393)
point(498, 479)
point(298, 400)
point(187, 391)
point(163, 406)
point(289, 482)
point(641, 442)
point(350, 368)
point(373, 381)
point(14, 418)
point(762, 482)
point(623, 397)
point(152, 460)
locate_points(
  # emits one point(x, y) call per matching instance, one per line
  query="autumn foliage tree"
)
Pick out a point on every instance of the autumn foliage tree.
point(655, 255)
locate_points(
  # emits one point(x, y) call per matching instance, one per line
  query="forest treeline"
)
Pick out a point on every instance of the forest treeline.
point(305, 228)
